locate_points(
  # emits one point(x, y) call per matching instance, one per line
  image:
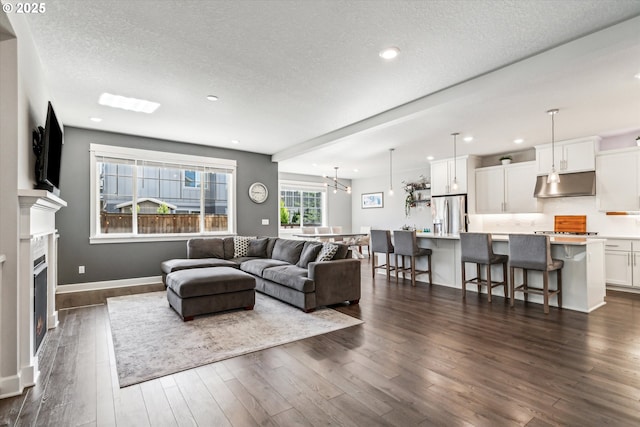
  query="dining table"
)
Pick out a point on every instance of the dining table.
point(337, 237)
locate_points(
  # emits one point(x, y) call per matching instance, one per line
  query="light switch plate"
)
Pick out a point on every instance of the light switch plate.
point(265, 221)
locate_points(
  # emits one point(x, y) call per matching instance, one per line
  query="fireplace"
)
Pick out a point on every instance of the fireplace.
point(40, 301)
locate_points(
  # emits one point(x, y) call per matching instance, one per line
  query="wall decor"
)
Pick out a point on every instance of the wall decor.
point(372, 200)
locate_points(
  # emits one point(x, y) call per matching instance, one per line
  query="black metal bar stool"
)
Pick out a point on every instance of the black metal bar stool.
point(478, 248)
point(533, 252)
point(381, 243)
point(406, 244)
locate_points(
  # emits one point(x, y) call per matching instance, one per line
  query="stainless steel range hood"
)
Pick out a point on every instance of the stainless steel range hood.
point(571, 184)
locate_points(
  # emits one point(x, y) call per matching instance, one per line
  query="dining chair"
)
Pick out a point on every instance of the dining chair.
point(337, 229)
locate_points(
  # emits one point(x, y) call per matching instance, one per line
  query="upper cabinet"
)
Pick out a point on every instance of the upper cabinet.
point(618, 180)
point(506, 189)
point(443, 172)
point(576, 155)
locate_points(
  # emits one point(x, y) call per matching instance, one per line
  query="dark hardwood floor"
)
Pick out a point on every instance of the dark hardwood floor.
point(422, 357)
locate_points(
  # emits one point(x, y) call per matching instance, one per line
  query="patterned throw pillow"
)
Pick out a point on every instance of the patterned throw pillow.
point(327, 252)
point(241, 245)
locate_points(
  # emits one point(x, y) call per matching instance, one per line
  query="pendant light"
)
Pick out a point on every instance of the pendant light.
point(454, 183)
point(391, 171)
point(553, 177)
point(335, 184)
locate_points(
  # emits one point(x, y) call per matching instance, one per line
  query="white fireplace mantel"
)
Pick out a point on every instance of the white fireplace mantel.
point(38, 236)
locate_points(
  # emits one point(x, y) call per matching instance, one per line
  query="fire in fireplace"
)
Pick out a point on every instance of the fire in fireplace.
point(40, 301)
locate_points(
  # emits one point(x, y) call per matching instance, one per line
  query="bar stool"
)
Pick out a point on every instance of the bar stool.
point(381, 243)
point(406, 244)
point(533, 252)
point(478, 248)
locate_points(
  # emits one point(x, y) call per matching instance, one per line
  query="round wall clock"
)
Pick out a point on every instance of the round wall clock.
point(258, 192)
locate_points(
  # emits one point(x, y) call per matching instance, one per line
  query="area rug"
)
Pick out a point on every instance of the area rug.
point(150, 340)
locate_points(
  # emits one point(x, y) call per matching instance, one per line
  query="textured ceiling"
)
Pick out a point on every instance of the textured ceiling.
point(294, 76)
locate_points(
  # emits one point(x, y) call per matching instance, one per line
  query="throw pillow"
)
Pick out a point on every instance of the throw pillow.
point(241, 245)
point(309, 253)
point(327, 252)
point(258, 247)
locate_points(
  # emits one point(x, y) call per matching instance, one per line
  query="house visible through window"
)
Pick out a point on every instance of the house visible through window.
point(302, 205)
point(137, 194)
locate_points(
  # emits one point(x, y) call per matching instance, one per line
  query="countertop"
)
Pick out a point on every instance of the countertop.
point(503, 237)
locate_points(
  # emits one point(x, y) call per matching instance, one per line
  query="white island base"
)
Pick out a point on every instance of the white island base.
point(583, 274)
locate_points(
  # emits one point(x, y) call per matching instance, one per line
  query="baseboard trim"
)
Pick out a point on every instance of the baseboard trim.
point(108, 284)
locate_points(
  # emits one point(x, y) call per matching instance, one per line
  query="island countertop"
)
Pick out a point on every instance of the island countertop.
point(504, 237)
point(583, 274)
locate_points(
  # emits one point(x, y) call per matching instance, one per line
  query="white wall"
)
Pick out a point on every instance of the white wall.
point(23, 105)
point(392, 215)
point(338, 205)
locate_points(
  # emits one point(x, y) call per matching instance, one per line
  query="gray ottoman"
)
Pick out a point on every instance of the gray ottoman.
point(199, 291)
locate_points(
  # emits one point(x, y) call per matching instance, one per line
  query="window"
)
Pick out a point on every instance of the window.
point(302, 204)
point(150, 195)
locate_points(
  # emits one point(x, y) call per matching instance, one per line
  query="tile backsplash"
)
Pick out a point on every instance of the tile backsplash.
point(596, 221)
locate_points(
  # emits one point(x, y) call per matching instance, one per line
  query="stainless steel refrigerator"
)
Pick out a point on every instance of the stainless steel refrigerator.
point(449, 214)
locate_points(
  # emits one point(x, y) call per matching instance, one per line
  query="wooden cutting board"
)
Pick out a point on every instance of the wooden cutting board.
point(570, 223)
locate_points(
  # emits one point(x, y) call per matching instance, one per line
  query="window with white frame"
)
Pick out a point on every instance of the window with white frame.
point(154, 195)
point(302, 204)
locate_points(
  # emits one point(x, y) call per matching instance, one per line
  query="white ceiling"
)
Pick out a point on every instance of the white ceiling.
point(302, 80)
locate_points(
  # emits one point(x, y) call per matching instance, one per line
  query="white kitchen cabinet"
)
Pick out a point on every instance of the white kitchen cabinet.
point(618, 180)
point(622, 259)
point(443, 173)
point(576, 155)
point(506, 189)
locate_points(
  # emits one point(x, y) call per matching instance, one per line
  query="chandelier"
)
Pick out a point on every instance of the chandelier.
point(335, 184)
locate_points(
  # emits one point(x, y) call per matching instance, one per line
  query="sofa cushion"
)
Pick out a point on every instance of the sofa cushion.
point(290, 276)
point(227, 243)
point(342, 252)
point(172, 265)
point(327, 252)
point(270, 246)
point(309, 253)
point(257, 266)
point(241, 245)
point(205, 248)
point(258, 247)
point(288, 250)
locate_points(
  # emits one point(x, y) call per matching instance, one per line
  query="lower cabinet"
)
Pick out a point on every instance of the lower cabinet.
point(622, 260)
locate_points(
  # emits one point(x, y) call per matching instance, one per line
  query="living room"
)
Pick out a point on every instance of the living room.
point(357, 131)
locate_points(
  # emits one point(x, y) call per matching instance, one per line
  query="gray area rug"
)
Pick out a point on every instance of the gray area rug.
point(150, 340)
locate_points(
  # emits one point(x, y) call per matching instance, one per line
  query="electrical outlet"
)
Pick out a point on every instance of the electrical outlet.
point(265, 221)
point(81, 269)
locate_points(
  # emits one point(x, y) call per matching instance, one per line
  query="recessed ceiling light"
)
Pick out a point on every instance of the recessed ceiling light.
point(356, 170)
point(314, 165)
point(389, 53)
point(212, 97)
point(235, 141)
point(518, 141)
point(430, 157)
point(637, 76)
point(129, 104)
point(468, 138)
point(95, 119)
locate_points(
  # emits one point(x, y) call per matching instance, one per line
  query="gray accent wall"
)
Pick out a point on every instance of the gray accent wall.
point(114, 261)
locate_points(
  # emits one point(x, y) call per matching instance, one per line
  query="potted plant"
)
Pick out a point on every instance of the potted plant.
point(638, 141)
point(505, 159)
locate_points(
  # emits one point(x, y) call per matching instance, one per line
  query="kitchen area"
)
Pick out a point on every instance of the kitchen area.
point(592, 214)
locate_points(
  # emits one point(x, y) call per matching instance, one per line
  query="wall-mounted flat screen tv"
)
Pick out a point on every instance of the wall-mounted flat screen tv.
point(47, 145)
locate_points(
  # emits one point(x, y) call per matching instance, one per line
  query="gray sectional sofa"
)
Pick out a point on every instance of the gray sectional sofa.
point(286, 269)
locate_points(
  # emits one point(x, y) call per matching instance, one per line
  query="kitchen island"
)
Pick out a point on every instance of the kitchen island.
point(583, 274)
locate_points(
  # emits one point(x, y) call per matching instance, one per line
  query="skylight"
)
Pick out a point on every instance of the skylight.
point(129, 104)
